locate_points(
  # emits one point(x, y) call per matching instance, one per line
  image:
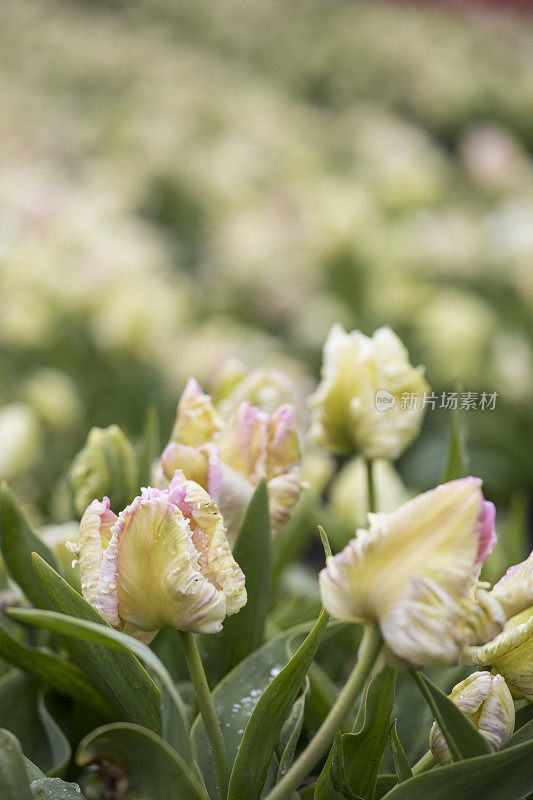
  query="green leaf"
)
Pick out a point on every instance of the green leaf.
point(236, 696)
point(125, 682)
point(462, 737)
point(149, 447)
point(401, 762)
point(352, 767)
point(33, 772)
point(290, 733)
point(14, 784)
point(153, 770)
point(523, 734)
point(384, 784)
point(55, 789)
point(506, 775)
point(55, 671)
point(18, 541)
point(23, 712)
point(456, 460)
point(265, 724)
point(244, 632)
point(175, 724)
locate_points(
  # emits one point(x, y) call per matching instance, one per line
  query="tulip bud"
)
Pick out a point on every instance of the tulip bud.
point(105, 465)
point(165, 560)
point(413, 571)
point(487, 702)
point(196, 420)
point(346, 414)
point(510, 653)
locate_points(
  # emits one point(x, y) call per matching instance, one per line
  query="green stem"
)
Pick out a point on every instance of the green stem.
point(207, 710)
point(323, 738)
point(426, 762)
point(370, 486)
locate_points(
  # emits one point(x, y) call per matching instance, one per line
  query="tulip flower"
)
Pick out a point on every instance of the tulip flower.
point(510, 653)
point(165, 560)
point(266, 388)
point(487, 702)
point(357, 371)
point(105, 465)
point(230, 456)
point(415, 570)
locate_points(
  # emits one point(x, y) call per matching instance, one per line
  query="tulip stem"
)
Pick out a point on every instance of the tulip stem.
point(207, 710)
point(370, 486)
point(426, 762)
point(323, 738)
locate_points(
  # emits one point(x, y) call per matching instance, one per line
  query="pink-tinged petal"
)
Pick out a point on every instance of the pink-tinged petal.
point(283, 451)
point(283, 493)
point(485, 530)
point(192, 460)
point(197, 419)
point(215, 478)
point(94, 536)
point(151, 575)
point(413, 572)
point(215, 558)
point(243, 442)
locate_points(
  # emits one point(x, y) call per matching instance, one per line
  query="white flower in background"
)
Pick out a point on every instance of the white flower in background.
point(356, 371)
point(20, 439)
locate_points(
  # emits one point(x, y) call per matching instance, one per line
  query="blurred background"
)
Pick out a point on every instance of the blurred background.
point(186, 181)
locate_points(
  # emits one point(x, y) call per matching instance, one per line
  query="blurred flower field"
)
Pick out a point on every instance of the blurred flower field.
point(183, 182)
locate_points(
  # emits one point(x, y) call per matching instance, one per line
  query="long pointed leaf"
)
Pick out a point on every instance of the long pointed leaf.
point(244, 633)
point(153, 770)
point(125, 681)
point(401, 762)
point(14, 783)
point(265, 724)
point(463, 739)
point(18, 541)
point(47, 666)
point(506, 775)
point(94, 632)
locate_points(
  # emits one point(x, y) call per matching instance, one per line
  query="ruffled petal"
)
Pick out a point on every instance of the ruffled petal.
point(197, 419)
point(243, 442)
point(215, 559)
point(412, 571)
point(515, 590)
point(510, 653)
point(93, 538)
point(150, 574)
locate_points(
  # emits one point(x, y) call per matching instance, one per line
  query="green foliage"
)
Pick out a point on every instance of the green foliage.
point(244, 633)
point(462, 737)
point(149, 767)
point(266, 722)
point(501, 776)
point(353, 765)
